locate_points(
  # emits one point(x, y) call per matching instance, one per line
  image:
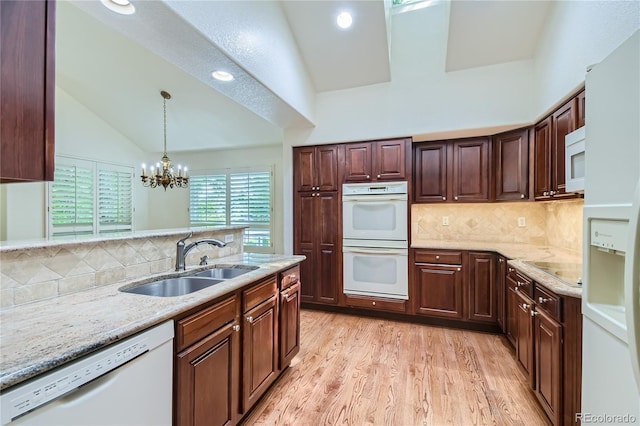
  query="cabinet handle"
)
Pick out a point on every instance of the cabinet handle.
point(369, 177)
point(444, 198)
point(522, 196)
point(250, 319)
point(236, 328)
point(373, 303)
point(459, 269)
point(378, 176)
point(545, 193)
point(510, 269)
point(455, 198)
point(552, 193)
point(285, 295)
point(533, 313)
point(525, 306)
point(293, 277)
point(500, 260)
point(437, 257)
point(543, 300)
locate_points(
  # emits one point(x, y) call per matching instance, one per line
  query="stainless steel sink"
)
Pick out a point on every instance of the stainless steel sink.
point(172, 287)
point(225, 272)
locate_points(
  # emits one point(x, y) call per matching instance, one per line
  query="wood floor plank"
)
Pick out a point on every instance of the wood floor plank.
point(355, 370)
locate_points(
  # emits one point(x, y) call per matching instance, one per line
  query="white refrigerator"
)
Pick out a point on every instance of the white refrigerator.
point(611, 255)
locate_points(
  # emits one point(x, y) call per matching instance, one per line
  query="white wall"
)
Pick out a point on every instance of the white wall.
point(578, 34)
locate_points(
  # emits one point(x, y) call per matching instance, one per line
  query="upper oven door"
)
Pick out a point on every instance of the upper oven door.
point(375, 217)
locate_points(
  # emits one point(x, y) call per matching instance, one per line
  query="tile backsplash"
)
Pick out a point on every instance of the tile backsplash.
point(31, 274)
point(554, 223)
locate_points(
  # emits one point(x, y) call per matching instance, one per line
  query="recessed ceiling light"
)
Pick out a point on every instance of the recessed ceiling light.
point(344, 20)
point(222, 75)
point(123, 7)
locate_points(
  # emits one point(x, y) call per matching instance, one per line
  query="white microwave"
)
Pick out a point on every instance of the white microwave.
point(574, 160)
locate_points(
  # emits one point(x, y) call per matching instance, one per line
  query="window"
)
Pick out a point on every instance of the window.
point(235, 197)
point(88, 197)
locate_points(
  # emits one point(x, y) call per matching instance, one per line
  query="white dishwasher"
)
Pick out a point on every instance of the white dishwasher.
point(126, 383)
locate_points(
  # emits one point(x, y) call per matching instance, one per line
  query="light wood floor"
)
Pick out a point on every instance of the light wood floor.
point(364, 371)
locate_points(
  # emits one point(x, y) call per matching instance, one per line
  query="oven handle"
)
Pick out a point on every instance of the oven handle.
point(374, 250)
point(373, 198)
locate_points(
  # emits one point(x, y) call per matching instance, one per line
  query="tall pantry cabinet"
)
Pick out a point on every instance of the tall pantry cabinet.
point(317, 233)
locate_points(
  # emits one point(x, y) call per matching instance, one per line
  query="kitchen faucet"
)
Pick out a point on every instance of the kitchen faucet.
point(182, 251)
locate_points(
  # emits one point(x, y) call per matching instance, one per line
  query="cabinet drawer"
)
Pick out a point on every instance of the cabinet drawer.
point(523, 283)
point(289, 277)
point(547, 301)
point(377, 303)
point(194, 327)
point(447, 257)
point(259, 293)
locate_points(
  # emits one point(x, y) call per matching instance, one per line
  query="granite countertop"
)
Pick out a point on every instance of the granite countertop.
point(518, 255)
point(40, 336)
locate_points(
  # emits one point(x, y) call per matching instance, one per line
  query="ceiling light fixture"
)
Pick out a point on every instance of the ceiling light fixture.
point(165, 177)
point(344, 20)
point(222, 75)
point(123, 7)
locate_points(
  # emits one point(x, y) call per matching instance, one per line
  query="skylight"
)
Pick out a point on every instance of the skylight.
point(400, 6)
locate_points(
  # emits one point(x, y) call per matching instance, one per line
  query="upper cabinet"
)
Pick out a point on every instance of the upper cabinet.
point(512, 165)
point(27, 88)
point(315, 168)
point(581, 108)
point(375, 161)
point(458, 171)
point(549, 148)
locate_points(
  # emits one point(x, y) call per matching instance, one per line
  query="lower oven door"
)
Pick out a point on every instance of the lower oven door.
point(381, 272)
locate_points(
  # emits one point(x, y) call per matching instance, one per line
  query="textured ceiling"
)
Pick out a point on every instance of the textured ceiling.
point(116, 65)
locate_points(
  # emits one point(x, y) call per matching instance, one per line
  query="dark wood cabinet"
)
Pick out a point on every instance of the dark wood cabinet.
point(376, 303)
point(548, 364)
point(315, 168)
point(581, 108)
point(512, 165)
point(207, 366)
point(481, 284)
point(27, 90)
point(471, 171)
point(524, 341)
point(375, 161)
point(501, 285)
point(317, 236)
point(511, 307)
point(438, 284)
point(259, 341)
point(549, 151)
point(289, 316)
point(431, 178)
point(458, 171)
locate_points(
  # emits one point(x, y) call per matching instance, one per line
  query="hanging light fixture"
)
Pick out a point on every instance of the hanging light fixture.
point(162, 173)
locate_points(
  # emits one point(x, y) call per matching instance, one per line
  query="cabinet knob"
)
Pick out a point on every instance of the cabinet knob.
point(552, 193)
point(444, 198)
point(522, 196)
point(373, 303)
point(437, 257)
point(378, 176)
point(455, 198)
point(236, 328)
point(500, 260)
point(250, 319)
point(545, 193)
point(510, 269)
point(542, 300)
point(525, 306)
point(368, 177)
point(285, 295)
point(293, 277)
point(459, 269)
point(533, 313)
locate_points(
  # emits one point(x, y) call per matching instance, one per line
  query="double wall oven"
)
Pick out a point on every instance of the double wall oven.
point(375, 244)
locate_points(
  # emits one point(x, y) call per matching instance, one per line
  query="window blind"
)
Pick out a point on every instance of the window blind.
point(72, 200)
point(234, 198)
point(115, 201)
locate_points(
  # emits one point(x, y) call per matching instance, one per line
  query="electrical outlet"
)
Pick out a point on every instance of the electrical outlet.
point(445, 220)
point(521, 222)
point(228, 238)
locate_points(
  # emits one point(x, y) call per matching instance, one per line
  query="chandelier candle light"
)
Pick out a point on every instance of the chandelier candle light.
point(162, 173)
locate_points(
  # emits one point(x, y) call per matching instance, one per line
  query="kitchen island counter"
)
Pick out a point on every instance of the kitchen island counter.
point(520, 256)
point(40, 336)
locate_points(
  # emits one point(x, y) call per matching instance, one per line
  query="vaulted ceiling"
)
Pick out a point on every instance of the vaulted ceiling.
point(116, 65)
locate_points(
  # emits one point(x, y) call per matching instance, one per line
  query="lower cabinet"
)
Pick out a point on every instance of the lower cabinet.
point(259, 341)
point(481, 284)
point(524, 339)
point(289, 316)
point(207, 366)
point(511, 308)
point(229, 353)
point(548, 357)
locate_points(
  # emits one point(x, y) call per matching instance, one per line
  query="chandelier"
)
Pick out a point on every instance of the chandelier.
point(162, 174)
